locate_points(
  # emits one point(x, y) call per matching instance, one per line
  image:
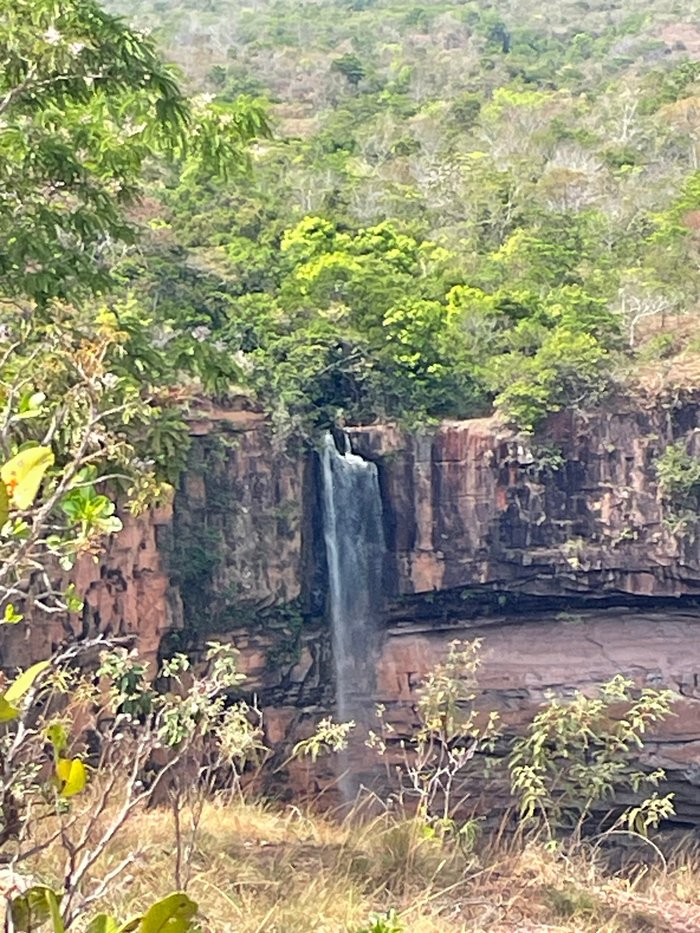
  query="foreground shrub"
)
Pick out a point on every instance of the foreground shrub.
point(451, 731)
point(579, 755)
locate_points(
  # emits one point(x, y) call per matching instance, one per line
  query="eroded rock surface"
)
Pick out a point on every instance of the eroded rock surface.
point(127, 592)
point(474, 505)
point(527, 660)
point(557, 554)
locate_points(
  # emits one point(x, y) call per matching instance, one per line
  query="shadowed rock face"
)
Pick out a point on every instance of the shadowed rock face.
point(569, 574)
point(525, 658)
point(473, 506)
point(228, 546)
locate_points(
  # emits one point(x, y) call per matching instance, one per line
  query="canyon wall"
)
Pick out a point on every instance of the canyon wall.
point(557, 554)
point(575, 514)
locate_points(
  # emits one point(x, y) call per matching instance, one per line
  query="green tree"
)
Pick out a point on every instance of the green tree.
point(568, 369)
point(350, 67)
point(85, 102)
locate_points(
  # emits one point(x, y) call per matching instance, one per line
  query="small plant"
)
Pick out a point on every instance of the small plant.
point(678, 473)
point(450, 732)
point(573, 901)
point(547, 458)
point(570, 618)
point(329, 737)
point(577, 755)
point(40, 905)
point(383, 923)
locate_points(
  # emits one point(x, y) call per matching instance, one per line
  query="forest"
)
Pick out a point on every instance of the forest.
point(343, 212)
point(456, 207)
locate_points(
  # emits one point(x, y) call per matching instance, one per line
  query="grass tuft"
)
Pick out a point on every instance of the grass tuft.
point(256, 868)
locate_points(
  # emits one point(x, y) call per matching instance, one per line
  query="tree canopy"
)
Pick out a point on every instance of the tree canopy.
point(463, 205)
point(88, 114)
point(85, 103)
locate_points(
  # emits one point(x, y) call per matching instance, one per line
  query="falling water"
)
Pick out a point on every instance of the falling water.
point(354, 537)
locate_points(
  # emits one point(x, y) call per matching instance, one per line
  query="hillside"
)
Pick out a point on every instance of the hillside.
point(461, 203)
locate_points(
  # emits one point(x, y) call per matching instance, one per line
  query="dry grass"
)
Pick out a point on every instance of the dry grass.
point(668, 355)
point(256, 869)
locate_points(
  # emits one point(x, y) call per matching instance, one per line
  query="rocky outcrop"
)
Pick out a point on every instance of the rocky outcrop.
point(528, 659)
point(524, 660)
point(126, 592)
point(473, 505)
point(237, 541)
point(557, 553)
point(228, 548)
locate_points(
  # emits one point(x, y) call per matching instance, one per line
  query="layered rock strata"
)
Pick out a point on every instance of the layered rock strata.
point(558, 553)
point(581, 515)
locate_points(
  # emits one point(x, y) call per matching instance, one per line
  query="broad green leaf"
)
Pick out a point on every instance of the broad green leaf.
point(23, 473)
point(29, 911)
point(173, 914)
point(21, 684)
point(72, 774)
point(56, 918)
point(8, 712)
point(30, 404)
point(103, 923)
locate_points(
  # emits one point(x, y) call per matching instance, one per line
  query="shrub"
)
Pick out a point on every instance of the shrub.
point(678, 473)
point(577, 755)
point(148, 742)
point(451, 730)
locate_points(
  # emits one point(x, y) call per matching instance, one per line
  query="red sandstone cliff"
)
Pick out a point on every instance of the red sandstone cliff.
point(479, 529)
point(471, 504)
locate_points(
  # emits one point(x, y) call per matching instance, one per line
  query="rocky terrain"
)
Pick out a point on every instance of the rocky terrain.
point(563, 565)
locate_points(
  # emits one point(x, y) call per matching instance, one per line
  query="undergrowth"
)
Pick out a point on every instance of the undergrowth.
point(286, 870)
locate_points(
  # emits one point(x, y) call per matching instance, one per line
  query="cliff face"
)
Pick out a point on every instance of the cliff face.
point(127, 592)
point(472, 506)
point(236, 542)
point(228, 547)
point(527, 657)
point(558, 557)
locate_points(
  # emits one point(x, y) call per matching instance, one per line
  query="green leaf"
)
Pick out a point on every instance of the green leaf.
point(23, 683)
point(7, 711)
point(57, 734)
point(11, 617)
point(173, 914)
point(73, 602)
point(55, 912)
point(36, 906)
point(103, 923)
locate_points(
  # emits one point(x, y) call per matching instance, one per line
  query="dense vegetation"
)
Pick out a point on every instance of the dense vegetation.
point(87, 106)
point(459, 206)
point(463, 204)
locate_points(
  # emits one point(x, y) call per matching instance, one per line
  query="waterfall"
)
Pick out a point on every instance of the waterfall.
point(354, 538)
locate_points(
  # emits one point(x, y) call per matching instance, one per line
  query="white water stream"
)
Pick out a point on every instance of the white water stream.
point(354, 538)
